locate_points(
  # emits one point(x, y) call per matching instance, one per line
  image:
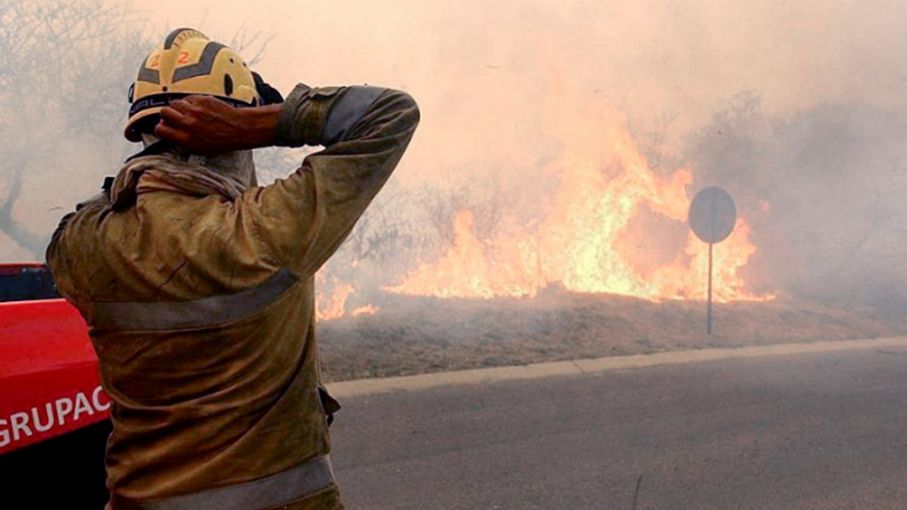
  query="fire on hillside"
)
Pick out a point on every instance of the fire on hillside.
point(584, 242)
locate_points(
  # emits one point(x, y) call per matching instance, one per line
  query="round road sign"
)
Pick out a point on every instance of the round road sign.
point(712, 215)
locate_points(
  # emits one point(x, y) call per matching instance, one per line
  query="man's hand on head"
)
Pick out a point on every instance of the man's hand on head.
point(207, 126)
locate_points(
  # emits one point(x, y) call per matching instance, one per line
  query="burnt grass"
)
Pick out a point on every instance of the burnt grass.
point(412, 335)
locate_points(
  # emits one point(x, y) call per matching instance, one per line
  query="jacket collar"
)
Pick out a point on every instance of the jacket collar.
point(157, 168)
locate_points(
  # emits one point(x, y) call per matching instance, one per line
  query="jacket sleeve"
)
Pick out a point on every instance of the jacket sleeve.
point(67, 249)
point(300, 221)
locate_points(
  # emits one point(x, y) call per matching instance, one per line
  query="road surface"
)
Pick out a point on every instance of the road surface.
point(806, 431)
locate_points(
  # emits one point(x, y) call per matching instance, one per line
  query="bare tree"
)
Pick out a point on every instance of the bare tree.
point(483, 197)
point(65, 67)
point(654, 139)
point(252, 45)
point(62, 69)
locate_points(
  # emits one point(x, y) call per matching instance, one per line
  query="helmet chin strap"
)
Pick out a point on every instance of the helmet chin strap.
point(148, 139)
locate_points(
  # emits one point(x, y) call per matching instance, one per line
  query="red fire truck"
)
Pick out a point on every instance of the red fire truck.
point(53, 413)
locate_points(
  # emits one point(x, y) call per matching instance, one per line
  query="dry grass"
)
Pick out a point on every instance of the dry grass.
point(413, 335)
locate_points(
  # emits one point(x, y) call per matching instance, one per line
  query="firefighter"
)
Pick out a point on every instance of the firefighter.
point(197, 284)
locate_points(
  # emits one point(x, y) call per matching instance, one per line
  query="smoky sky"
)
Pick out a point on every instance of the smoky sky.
point(504, 86)
point(481, 69)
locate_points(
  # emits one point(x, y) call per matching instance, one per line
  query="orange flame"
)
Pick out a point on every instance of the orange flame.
point(364, 310)
point(577, 244)
point(332, 305)
point(332, 299)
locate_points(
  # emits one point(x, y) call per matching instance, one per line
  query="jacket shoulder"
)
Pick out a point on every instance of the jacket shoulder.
point(71, 244)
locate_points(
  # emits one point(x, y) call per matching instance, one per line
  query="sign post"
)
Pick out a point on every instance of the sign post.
point(708, 319)
point(712, 217)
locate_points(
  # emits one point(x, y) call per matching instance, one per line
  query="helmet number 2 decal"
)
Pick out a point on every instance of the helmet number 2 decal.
point(181, 58)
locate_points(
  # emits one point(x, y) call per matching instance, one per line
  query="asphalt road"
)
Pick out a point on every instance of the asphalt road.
point(806, 431)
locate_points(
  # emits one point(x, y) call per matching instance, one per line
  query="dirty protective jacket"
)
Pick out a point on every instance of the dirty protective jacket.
point(201, 310)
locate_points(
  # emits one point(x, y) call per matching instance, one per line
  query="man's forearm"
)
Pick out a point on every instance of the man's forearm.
point(309, 116)
point(205, 125)
point(259, 126)
point(319, 116)
point(303, 115)
point(326, 116)
point(365, 131)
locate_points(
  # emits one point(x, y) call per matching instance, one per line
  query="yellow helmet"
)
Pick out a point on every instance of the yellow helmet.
point(187, 63)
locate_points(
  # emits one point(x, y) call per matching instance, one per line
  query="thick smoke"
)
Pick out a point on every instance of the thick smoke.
point(62, 103)
point(824, 191)
point(813, 155)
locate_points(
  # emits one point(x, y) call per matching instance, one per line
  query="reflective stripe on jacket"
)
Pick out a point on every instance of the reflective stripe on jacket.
point(201, 309)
